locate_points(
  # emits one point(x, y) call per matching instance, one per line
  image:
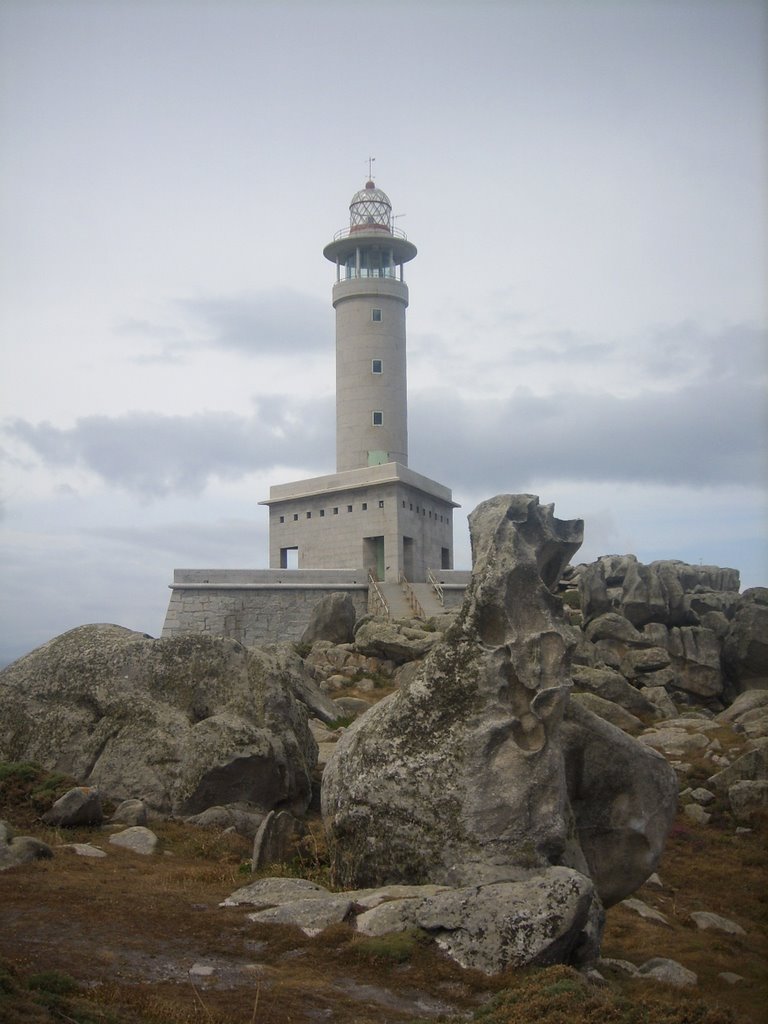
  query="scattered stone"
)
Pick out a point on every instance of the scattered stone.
point(668, 971)
point(646, 912)
point(333, 618)
point(702, 796)
point(245, 823)
point(659, 697)
point(79, 806)
point(138, 839)
point(705, 921)
point(675, 742)
point(609, 712)
point(751, 766)
point(275, 840)
point(697, 814)
point(730, 978)
point(654, 882)
point(548, 918)
point(624, 967)
point(130, 812)
point(748, 797)
point(274, 892)
point(346, 706)
point(83, 849)
point(311, 915)
point(202, 970)
point(16, 850)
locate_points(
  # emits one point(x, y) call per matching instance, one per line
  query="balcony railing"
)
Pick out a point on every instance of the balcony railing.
point(361, 228)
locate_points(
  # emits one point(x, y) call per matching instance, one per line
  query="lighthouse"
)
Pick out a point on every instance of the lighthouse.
point(374, 515)
point(374, 529)
point(370, 298)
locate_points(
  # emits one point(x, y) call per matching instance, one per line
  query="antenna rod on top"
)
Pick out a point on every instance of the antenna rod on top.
point(371, 162)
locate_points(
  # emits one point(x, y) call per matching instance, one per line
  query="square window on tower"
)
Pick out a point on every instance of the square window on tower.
point(377, 418)
point(376, 366)
point(376, 316)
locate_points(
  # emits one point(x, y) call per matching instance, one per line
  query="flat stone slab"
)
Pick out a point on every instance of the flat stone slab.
point(646, 912)
point(275, 892)
point(705, 920)
point(311, 915)
point(83, 849)
point(137, 839)
point(669, 971)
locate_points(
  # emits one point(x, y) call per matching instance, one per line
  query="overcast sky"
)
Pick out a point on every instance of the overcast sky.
point(585, 183)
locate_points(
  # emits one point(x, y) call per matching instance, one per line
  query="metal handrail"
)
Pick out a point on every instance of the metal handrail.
point(437, 586)
point(377, 603)
point(410, 596)
point(360, 229)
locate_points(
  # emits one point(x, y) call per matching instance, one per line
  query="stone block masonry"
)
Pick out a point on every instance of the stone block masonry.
point(254, 606)
point(258, 606)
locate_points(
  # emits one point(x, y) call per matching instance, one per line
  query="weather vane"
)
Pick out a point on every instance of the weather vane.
point(371, 162)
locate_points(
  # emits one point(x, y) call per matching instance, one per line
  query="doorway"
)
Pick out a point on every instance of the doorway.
point(289, 558)
point(373, 556)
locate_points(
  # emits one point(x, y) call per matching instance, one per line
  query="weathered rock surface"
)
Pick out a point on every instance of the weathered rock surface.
point(183, 723)
point(461, 778)
point(137, 839)
point(15, 850)
point(745, 651)
point(79, 806)
point(333, 618)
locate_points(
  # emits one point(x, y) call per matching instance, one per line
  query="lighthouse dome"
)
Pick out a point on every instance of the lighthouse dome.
point(370, 209)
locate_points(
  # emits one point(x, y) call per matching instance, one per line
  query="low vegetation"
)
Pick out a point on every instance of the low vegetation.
point(117, 940)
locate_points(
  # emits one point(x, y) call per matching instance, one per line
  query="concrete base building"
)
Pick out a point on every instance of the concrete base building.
point(374, 518)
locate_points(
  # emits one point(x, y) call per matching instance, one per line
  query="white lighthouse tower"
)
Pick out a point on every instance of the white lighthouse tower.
point(374, 514)
point(370, 298)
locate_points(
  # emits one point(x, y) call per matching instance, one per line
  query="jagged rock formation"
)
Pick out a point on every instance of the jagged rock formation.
point(672, 629)
point(183, 724)
point(478, 769)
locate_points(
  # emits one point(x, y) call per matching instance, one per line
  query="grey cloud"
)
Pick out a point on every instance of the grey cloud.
point(155, 455)
point(701, 435)
point(280, 321)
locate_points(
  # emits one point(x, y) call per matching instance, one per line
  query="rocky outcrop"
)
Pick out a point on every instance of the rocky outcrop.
point(682, 627)
point(478, 768)
point(333, 618)
point(15, 850)
point(79, 806)
point(183, 723)
point(745, 650)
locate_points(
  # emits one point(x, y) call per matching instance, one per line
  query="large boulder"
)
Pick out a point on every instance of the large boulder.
point(333, 618)
point(669, 592)
point(183, 723)
point(745, 650)
point(461, 777)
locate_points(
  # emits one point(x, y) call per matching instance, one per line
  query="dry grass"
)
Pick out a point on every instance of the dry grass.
point(130, 928)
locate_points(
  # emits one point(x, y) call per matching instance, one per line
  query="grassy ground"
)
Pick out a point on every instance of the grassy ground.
point(116, 940)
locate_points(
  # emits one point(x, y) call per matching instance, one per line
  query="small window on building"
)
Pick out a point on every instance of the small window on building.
point(309, 515)
point(365, 506)
point(376, 316)
point(378, 419)
point(282, 519)
point(403, 504)
point(376, 366)
point(381, 504)
point(295, 517)
point(411, 508)
point(322, 512)
point(349, 508)
point(336, 511)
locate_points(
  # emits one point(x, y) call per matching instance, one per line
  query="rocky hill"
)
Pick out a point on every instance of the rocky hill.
point(492, 782)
